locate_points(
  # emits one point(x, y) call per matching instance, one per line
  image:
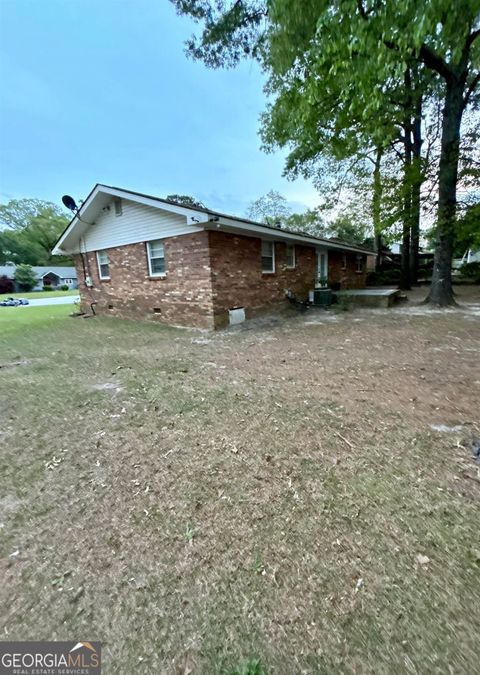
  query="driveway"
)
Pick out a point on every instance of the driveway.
point(67, 300)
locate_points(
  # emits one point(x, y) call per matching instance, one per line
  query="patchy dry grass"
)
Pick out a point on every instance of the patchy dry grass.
point(267, 500)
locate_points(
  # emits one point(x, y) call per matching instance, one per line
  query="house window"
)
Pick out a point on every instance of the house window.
point(118, 207)
point(268, 257)
point(67, 281)
point(359, 263)
point(344, 261)
point(103, 265)
point(156, 258)
point(291, 255)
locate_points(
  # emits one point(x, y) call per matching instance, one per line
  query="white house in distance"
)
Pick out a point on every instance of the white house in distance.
point(52, 276)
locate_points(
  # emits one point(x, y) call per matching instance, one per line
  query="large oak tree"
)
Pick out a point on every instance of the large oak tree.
point(348, 57)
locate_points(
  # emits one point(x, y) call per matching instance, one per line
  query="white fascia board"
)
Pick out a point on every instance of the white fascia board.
point(249, 229)
point(51, 272)
point(193, 217)
point(75, 222)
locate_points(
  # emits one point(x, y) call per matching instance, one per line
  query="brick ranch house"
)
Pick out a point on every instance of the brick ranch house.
point(141, 256)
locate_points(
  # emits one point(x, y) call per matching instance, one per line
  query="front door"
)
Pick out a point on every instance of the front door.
point(322, 267)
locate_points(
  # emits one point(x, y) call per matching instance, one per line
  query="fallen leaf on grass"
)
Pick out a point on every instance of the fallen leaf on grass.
point(422, 559)
point(359, 585)
point(53, 463)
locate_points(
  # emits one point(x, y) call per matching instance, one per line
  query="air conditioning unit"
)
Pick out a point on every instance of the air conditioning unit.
point(322, 297)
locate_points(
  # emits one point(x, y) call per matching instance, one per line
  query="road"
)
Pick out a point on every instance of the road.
point(66, 300)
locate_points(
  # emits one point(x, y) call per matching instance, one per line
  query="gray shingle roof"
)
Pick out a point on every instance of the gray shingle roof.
point(62, 272)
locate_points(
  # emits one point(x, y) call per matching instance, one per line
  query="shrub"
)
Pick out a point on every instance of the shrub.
point(383, 278)
point(471, 271)
point(344, 303)
point(48, 288)
point(25, 277)
point(6, 284)
point(64, 287)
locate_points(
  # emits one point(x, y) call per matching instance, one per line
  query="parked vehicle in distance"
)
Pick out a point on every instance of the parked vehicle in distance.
point(14, 302)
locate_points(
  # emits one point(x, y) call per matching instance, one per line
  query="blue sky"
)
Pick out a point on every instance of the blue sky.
point(102, 91)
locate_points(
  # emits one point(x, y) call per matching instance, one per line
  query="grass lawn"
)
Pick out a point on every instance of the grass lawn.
point(277, 492)
point(15, 320)
point(38, 294)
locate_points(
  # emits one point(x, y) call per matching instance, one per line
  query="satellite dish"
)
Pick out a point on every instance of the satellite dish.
point(69, 202)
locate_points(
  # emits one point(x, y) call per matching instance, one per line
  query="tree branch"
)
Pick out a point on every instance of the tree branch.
point(361, 9)
point(471, 89)
point(434, 61)
point(472, 37)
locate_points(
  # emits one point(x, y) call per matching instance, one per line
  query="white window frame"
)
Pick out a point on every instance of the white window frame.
point(272, 244)
point(99, 263)
point(359, 263)
point(155, 275)
point(294, 257)
point(322, 270)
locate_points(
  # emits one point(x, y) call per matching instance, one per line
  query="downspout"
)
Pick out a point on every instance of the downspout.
point(86, 274)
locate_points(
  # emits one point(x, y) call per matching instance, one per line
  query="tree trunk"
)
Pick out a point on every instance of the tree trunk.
point(417, 180)
point(407, 209)
point(376, 208)
point(441, 292)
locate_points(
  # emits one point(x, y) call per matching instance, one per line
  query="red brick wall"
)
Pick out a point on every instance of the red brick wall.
point(184, 296)
point(349, 277)
point(238, 280)
point(208, 273)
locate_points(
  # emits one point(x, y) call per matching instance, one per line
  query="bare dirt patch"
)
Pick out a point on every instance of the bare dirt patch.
point(274, 491)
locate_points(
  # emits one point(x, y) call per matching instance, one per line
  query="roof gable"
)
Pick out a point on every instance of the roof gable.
point(194, 218)
point(96, 225)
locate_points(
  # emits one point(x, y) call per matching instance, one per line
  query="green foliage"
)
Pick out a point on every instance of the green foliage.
point(189, 532)
point(310, 222)
point(344, 303)
point(64, 287)
point(272, 208)
point(18, 213)
point(384, 278)
point(230, 33)
point(467, 233)
point(47, 288)
point(16, 248)
point(347, 230)
point(250, 667)
point(185, 200)
point(348, 77)
point(32, 228)
point(257, 565)
point(25, 277)
point(471, 271)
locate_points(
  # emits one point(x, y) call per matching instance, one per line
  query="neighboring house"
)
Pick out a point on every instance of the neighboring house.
point(468, 257)
point(52, 276)
point(138, 255)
